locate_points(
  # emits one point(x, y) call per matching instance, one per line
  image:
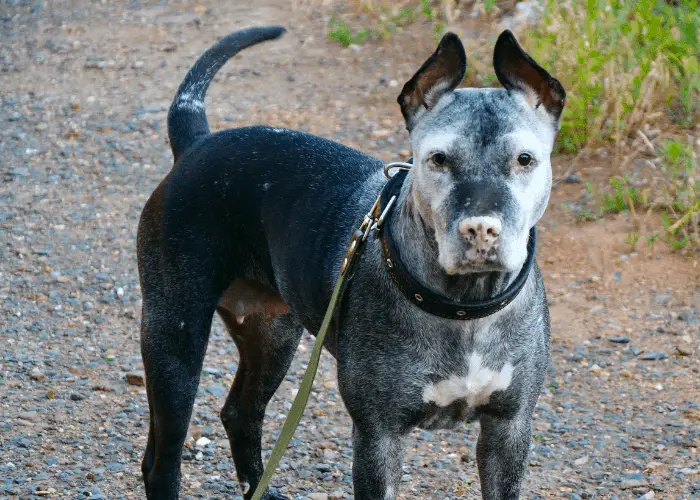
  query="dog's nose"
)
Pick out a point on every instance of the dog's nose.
point(482, 232)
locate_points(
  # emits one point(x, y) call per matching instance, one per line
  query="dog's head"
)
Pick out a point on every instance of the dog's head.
point(482, 175)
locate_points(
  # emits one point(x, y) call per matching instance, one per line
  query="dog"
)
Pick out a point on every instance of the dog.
point(445, 319)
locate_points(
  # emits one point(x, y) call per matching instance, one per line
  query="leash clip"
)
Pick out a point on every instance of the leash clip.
point(372, 221)
point(380, 220)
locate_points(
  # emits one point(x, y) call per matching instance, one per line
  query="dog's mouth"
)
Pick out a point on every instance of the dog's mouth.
point(460, 258)
point(471, 266)
point(476, 260)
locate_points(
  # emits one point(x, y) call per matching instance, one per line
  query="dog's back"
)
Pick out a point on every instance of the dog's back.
point(261, 182)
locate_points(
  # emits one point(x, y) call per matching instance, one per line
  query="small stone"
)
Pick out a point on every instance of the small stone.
point(317, 496)
point(634, 481)
point(687, 316)
point(51, 394)
point(29, 415)
point(120, 293)
point(597, 475)
point(138, 64)
point(625, 373)
point(136, 378)
point(202, 442)
point(647, 496)
point(380, 134)
point(581, 461)
point(103, 388)
point(76, 397)
point(37, 375)
point(662, 299)
point(653, 356)
point(683, 350)
point(573, 179)
point(620, 340)
point(94, 64)
point(216, 390)
point(199, 456)
point(595, 369)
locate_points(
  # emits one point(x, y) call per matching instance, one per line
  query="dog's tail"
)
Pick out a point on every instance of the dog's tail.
point(187, 119)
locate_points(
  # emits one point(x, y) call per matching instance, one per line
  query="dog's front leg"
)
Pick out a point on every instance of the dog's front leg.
point(501, 454)
point(376, 466)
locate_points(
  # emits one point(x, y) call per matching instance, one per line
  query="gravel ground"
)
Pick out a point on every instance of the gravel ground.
point(85, 89)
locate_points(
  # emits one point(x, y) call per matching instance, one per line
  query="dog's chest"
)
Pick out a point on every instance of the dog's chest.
point(473, 387)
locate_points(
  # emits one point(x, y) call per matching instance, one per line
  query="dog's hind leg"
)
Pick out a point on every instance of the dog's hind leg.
point(174, 334)
point(266, 347)
point(182, 280)
point(175, 331)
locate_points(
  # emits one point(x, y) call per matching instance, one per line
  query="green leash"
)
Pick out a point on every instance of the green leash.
point(297, 409)
point(371, 221)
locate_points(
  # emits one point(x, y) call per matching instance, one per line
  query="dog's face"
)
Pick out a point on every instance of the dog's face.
point(482, 174)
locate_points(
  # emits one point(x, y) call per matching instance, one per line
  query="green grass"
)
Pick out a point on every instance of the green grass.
point(388, 19)
point(676, 198)
point(620, 62)
point(345, 35)
point(632, 239)
point(624, 64)
point(623, 196)
point(679, 199)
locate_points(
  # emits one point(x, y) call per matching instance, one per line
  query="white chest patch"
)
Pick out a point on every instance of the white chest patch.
point(476, 387)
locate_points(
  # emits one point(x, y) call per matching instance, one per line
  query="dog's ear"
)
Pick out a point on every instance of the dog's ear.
point(441, 73)
point(518, 72)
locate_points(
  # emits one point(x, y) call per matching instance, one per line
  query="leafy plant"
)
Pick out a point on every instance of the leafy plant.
point(651, 240)
point(624, 196)
point(344, 35)
point(632, 239)
point(489, 5)
point(620, 61)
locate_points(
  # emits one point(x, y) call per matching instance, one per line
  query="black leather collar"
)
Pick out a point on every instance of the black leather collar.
point(427, 300)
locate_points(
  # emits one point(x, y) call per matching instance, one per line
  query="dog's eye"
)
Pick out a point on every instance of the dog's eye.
point(524, 159)
point(438, 158)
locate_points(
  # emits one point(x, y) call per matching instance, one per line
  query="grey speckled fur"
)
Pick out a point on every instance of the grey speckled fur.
point(252, 223)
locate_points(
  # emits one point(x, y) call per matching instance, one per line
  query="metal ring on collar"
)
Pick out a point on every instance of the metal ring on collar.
point(401, 165)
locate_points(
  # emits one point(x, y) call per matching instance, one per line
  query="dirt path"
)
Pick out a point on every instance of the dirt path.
point(85, 89)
